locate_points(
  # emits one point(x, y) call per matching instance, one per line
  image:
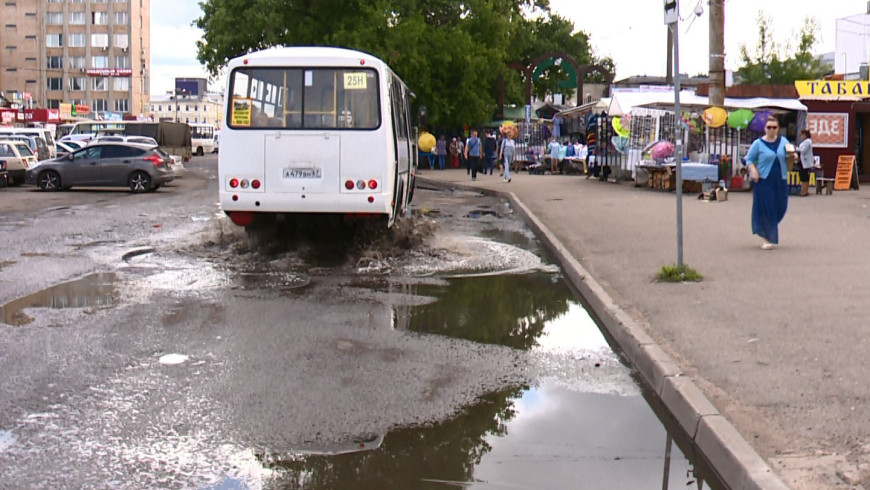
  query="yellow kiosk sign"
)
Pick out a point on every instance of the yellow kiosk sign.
point(833, 88)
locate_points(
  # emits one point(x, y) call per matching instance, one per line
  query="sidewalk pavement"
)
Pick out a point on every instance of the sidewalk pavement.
point(772, 343)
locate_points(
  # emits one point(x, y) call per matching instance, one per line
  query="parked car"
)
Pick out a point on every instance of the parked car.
point(75, 145)
point(175, 164)
point(37, 145)
point(18, 159)
point(64, 149)
point(217, 140)
point(138, 167)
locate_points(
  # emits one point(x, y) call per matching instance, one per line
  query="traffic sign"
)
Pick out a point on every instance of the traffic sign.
point(672, 11)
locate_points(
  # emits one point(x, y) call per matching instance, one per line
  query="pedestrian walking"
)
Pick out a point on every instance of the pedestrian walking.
point(463, 162)
point(506, 154)
point(441, 151)
point(807, 161)
point(766, 161)
point(453, 151)
point(472, 153)
point(490, 145)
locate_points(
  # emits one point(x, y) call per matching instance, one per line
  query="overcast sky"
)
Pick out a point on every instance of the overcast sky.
point(632, 32)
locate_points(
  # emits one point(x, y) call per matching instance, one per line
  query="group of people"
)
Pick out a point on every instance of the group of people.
point(478, 155)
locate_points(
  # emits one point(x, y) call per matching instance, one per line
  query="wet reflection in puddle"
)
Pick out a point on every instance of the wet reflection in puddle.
point(544, 437)
point(508, 309)
point(584, 424)
point(95, 290)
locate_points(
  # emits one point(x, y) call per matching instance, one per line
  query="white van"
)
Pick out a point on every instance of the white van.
point(43, 133)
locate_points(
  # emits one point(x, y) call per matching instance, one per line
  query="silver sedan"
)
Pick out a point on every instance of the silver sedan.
point(139, 167)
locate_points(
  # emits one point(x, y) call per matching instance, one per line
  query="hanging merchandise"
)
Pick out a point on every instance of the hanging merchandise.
point(662, 150)
point(620, 143)
point(714, 117)
point(740, 118)
point(619, 128)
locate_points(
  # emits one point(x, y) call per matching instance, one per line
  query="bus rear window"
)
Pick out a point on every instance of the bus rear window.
point(304, 98)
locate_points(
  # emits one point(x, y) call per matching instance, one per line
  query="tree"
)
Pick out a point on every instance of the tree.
point(450, 52)
point(770, 65)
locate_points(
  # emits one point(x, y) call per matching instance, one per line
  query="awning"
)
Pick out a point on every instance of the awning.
point(622, 103)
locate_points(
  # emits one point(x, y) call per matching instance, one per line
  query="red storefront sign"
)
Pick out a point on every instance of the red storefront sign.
point(109, 72)
point(82, 110)
point(828, 129)
point(42, 115)
point(8, 116)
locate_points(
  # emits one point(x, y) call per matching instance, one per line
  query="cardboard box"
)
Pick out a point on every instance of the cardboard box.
point(721, 194)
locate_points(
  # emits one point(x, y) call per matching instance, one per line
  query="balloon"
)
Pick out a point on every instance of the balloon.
point(714, 117)
point(662, 150)
point(620, 130)
point(740, 118)
point(509, 129)
point(758, 122)
point(426, 142)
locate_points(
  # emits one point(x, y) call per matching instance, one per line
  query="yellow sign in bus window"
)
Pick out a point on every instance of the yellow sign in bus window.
point(355, 80)
point(241, 112)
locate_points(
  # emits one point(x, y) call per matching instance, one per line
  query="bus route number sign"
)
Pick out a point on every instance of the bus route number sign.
point(355, 80)
point(302, 173)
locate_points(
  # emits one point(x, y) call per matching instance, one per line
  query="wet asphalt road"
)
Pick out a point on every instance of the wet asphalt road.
point(197, 360)
point(90, 397)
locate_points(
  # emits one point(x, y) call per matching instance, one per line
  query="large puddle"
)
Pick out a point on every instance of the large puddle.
point(92, 291)
point(584, 424)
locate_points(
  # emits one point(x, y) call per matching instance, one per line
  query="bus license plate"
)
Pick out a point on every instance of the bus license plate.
point(302, 173)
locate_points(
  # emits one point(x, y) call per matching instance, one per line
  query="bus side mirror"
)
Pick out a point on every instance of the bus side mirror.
point(421, 117)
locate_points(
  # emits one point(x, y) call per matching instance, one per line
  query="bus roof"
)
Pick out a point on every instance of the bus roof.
point(327, 56)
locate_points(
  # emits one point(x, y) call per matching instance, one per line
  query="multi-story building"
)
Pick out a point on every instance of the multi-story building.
point(83, 52)
point(206, 109)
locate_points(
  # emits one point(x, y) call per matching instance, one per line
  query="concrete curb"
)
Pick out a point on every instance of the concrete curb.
point(738, 465)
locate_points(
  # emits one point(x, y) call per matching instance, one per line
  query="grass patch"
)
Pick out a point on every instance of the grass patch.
point(675, 273)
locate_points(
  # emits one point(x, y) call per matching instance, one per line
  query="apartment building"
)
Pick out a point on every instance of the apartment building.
point(93, 53)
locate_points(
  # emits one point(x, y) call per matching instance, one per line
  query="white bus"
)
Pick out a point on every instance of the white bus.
point(85, 131)
point(313, 131)
point(201, 138)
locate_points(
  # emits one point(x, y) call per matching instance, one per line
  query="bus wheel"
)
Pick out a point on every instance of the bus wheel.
point(199, 151)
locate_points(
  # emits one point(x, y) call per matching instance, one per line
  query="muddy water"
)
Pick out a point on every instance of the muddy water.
point(92, 291)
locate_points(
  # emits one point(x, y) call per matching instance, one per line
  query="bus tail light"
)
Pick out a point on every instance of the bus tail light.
point(255, 184)
point(234, 183)
point(348, 185)
point(244, 183)
point(360, 184)
point(371, 198)
point(373, 184)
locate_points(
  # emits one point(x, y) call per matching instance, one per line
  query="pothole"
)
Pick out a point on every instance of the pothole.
point(94, 290)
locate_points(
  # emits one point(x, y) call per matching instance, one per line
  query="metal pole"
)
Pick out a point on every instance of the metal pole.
point(667, 471)
point(678, 151)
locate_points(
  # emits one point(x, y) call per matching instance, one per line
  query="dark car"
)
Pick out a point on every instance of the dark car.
point(138, 167)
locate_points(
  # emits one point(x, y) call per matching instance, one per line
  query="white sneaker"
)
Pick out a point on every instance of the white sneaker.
point(768, 246)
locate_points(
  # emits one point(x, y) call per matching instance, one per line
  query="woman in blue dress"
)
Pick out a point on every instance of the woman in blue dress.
point(767, 168)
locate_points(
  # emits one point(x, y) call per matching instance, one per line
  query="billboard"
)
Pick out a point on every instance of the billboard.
point(192, 87)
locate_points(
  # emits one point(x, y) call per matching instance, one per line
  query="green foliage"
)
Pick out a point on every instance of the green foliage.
point(771, 65)
point(675, 273)
point(450, 52)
